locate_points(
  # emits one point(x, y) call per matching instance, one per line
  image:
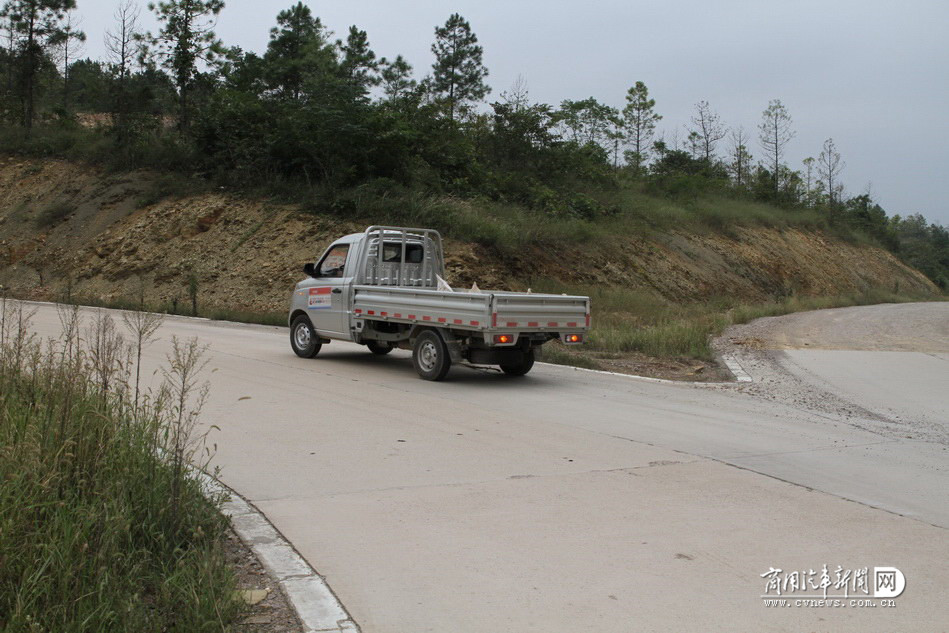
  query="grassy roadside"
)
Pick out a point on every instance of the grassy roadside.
point(628, 321)
point(97, 532)
point(214, 313)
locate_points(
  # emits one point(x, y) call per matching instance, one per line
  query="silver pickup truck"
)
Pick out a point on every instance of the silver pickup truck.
point(383, 288)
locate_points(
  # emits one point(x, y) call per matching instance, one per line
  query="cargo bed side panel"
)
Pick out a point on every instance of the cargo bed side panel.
point(454, 309)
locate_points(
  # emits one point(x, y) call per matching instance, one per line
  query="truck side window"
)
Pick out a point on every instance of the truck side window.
point(334, 262)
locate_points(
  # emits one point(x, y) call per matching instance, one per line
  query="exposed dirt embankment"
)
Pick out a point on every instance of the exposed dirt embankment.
point(67, 225)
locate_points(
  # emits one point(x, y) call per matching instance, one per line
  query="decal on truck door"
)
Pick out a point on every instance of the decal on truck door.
point(319, 299)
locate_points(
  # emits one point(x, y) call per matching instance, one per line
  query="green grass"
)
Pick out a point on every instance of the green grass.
point(182, 308)
point(509, 228)
point(97, 533)
point(246, 316)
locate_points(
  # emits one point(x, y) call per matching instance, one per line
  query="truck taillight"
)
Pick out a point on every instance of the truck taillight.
point(573, 338)
point(503, 339)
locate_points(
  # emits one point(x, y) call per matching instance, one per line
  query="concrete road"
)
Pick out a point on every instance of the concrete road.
point(567, 500)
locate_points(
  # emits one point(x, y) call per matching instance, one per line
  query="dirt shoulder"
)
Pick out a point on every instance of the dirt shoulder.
point(876, 367)
point(903, 327)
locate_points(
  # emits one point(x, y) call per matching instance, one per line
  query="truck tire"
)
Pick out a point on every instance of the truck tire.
point(379, 348)
point(430, 356)
point(303, 338)
point(520, 368)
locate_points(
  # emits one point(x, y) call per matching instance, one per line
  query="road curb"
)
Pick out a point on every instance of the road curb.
point(736, 369)
point(316, 605)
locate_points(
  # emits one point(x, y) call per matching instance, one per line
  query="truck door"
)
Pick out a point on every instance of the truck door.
point(328, 295)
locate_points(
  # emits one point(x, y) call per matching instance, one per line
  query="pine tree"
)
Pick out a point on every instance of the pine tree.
point(120, 47)
point(69, 41)
point(808, 180)
point(708, 128)
point(359, 65)
point(774, 134)
point(829, 167)
point(640, 120)
point(298, 49)
point(740, 158)
point(459, 72)
point(185, 38)
point(36, 26)
point(396, 78)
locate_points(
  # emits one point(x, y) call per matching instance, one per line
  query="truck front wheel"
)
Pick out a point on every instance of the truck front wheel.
point(303, 338)
point(430, 356)
point(519, 368)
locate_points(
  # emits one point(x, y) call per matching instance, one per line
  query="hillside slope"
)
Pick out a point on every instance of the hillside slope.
point(70, 226)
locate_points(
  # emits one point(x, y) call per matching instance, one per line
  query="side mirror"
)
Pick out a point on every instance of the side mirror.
point(309, 270)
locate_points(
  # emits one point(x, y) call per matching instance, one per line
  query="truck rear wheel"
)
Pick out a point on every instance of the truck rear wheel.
point(519, 368)
point(430, 356)
point(379, 348)
point(303, 338)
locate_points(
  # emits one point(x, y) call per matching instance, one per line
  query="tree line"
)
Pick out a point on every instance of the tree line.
point(329, 112)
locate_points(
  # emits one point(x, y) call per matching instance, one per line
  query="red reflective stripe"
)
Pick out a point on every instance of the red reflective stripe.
point(357, 310)
point(442, 319)
point(397, 315)
point(458, 321)
point(532, 324)
point(588, 320)
point(370, 311)
point(411, 316)
point(494, 319)
point(426, 318)
point(552, 324)
point(474, 323)
point(384, 313)
point(512, 323)
point(572, 324)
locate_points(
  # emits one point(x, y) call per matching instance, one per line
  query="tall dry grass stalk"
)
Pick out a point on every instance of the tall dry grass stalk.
point(103, 527)
point(142, 326)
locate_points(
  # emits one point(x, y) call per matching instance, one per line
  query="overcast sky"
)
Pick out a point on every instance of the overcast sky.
point(872, 74)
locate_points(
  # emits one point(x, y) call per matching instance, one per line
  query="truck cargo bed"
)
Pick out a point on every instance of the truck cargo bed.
point(471, 310)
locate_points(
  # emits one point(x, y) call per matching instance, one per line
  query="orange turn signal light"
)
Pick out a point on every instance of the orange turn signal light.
point(574, 338)
point(503, 338)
